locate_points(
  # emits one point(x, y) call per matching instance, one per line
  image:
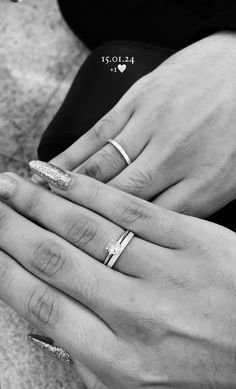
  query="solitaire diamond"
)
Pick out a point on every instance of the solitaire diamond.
point(114, 247)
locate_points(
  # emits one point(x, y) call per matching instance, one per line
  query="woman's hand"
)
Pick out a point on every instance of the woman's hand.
point(177, 124)
point(165, 318)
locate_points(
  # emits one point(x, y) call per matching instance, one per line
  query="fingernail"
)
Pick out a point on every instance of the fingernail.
point(51, 173)
point(40, 181)
point(37, 180)
point(7, 186)
point(47, 344)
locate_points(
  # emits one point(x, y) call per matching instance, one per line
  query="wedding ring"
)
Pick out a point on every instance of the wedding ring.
point(116, 248)
point(121, 150)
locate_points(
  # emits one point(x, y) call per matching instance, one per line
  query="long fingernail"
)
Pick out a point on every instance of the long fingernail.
point(53, 174)
point(37, 180)
point(7, 186)
point(47, 345)
point(40, 181)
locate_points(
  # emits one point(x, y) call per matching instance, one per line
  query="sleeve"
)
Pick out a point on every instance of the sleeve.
point(220, 21)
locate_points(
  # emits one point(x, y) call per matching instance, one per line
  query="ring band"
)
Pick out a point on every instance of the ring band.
point(121, 150)
point(116, 248)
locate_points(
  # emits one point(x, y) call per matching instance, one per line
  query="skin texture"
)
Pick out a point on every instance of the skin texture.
point(177, 125)
point(165, 317)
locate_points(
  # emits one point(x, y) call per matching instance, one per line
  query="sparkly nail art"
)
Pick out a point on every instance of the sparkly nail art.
point(53, 174)
point(47, 345)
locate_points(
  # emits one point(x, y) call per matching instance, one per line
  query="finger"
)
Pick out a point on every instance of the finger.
point(70, 324)
point(60, 264)
point(79, 226)
point(85, 229)
point(107, 127)
point(109, 162)
point(147, 176)
point(147, 221)
point(88, 378)
point(96, 138)
point(190, 197)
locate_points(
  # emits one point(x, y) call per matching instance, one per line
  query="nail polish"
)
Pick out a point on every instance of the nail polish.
point(47, 344)
point(52, 174)
point(7, 186)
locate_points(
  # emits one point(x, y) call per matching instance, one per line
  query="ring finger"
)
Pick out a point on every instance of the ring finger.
point(108, 162)
point(85, 229)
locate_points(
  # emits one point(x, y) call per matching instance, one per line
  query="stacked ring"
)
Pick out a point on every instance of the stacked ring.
point(116, 248)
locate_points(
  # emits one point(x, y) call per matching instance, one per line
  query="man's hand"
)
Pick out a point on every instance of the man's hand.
point(178, 126)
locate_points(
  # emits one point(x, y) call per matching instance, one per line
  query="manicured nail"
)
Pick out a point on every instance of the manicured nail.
point(37, 180)
point(40, 181)
point(7, 186)
point(47, 344)
point(51, 173)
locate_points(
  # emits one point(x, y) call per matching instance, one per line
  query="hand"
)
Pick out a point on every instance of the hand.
point(177, 124)
point(165, 318)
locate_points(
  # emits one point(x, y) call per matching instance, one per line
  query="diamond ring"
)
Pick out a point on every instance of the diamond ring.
point(116, 248)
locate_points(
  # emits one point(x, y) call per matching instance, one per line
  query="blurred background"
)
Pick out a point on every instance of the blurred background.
point(39, 57)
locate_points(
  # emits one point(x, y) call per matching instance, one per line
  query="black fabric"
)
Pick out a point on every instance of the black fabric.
point(95, 91)
point(168, 23)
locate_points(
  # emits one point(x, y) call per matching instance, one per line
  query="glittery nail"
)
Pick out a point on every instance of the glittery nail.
point(51, 173)
point(47, 345)
point(7, 186)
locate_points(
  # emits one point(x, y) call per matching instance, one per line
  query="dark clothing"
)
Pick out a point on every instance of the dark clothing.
point(168, 23)
point(96, 90)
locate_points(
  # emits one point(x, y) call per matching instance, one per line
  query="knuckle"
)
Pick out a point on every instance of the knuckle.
point(168, 222)
point(49, 258)
point(141, 179)
point(133, 211)
point(81, 230)
point(137, 182)
point(111, 157)
point(187, 208)
point(99, 131)
point(93, 170)
point(42, 307)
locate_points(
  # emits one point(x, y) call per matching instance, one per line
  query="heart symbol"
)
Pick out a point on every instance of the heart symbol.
point(121, 68)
